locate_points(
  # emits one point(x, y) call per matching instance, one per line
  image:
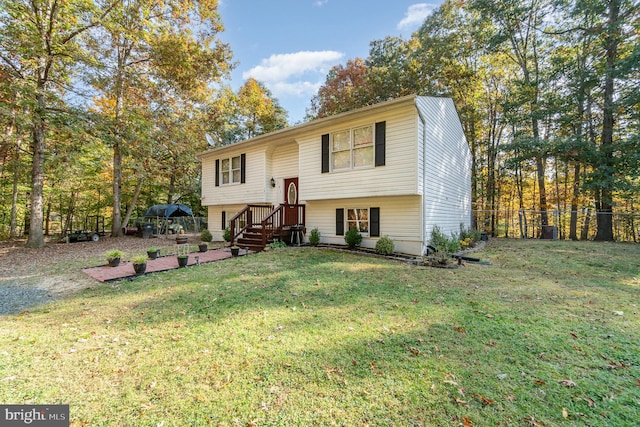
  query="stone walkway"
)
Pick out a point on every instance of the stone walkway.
point(104, 273)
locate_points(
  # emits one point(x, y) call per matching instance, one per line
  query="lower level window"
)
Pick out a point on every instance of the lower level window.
point(358, 219)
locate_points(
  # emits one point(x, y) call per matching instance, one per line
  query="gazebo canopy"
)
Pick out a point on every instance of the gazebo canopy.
point(168, 211)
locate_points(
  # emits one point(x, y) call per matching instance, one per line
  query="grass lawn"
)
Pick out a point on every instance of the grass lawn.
point(548, 334)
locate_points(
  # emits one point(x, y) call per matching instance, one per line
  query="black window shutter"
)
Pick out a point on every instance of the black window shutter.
point(224, 220)
point(325, 153)
point(374, 222)
point(381, 136)
point(339, 222)
point(217, 172)
point(243, 164)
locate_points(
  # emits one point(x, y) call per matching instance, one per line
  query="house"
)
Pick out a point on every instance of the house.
point(394, 169)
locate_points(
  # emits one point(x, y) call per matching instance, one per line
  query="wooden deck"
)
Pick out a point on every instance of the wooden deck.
point(104, 273)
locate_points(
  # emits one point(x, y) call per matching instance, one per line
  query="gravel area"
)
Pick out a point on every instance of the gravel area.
point(31, 277)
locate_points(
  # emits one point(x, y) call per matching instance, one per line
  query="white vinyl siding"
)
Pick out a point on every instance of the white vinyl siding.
point(283, 164)
point(252, 191)
point(214, 218)
point(399, 219)
point(447, 171)
point(398, 176)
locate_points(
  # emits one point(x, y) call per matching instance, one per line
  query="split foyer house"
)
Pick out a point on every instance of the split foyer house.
point(394, 169)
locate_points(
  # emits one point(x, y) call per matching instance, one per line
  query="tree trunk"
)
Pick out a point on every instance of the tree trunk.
point(604, 215)
point(573, 224)
point(36, 238)
point(116, 219)
point(132, 205)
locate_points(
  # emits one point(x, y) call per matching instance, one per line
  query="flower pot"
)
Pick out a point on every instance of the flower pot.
point(140, 268)
point(203, 247)
point(183, 261)
point(182, 240)
point(152, 254)
point(113, 262)
point(235, 251)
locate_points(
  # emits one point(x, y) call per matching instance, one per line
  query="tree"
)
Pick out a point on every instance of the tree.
point(39, 48)
point(169, 43)
point(345, 88)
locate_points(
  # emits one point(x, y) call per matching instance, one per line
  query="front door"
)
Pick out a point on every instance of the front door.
point(291, 201)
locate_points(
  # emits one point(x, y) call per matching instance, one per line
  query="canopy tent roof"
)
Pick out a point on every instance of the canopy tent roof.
point(168, 211)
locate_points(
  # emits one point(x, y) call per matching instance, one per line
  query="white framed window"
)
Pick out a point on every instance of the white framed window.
point(358, 219)
point(230, 170)
point(352, 148)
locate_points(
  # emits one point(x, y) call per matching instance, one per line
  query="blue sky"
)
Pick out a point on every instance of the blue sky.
point(290, 45)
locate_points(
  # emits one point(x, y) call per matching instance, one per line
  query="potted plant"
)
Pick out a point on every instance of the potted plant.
point(152, 252)
point(205, 237)
point(139, 264)
point(113, 257)
point(235, 250)
point(183, 260)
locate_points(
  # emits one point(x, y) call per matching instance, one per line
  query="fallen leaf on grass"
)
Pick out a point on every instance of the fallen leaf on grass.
point(414, 351)
point(539, 382)
point(485, 400)
point(450, 382)
point(573, 335)
point(568, 383)
point(460, 402)
point(565, 414)
point(466, 422)
point(589, 401)
point(532, 421)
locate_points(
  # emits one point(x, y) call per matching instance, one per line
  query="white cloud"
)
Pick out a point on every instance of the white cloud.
point(291, 73)
point(320, 3)
point(415, 16)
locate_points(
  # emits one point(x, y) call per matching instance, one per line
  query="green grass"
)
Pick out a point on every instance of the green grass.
point(315, 337)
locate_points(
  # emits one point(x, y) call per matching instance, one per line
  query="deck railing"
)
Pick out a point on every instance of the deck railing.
point(250, 216)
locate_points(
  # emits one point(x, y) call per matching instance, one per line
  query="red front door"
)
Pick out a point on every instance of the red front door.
point(291, 201)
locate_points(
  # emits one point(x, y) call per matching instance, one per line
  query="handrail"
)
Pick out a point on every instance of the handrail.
point(248, 214)
point(269, 219)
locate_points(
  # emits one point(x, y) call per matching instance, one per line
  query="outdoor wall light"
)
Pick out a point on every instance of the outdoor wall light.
point(273, 183)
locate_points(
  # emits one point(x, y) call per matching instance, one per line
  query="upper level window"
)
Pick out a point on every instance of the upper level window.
point(352, 148)
point(230, 170)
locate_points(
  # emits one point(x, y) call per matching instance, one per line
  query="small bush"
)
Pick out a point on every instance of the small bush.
point(384, 246)
point(353, 238)
point(206, 236)
point(443, 243)
point(226, 234)
point(277, 244)
point(314, 237)
point(470, 234)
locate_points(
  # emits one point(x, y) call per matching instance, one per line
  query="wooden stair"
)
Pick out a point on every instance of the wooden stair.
point(252, 239)
point(256, 226)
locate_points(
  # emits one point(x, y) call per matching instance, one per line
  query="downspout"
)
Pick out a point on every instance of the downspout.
point(424, 180)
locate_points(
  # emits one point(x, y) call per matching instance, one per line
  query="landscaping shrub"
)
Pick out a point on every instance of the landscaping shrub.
point(353, 238)
point(226, 234)
point(206, 236)
point(443, 243)
point(314, 237)
point(384, 246)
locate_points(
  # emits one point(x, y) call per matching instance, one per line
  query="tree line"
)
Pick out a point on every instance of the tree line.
point(104, 104)
point(548, 94)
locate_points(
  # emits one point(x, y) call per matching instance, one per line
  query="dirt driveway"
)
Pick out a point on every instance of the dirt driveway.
point(44, 268)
